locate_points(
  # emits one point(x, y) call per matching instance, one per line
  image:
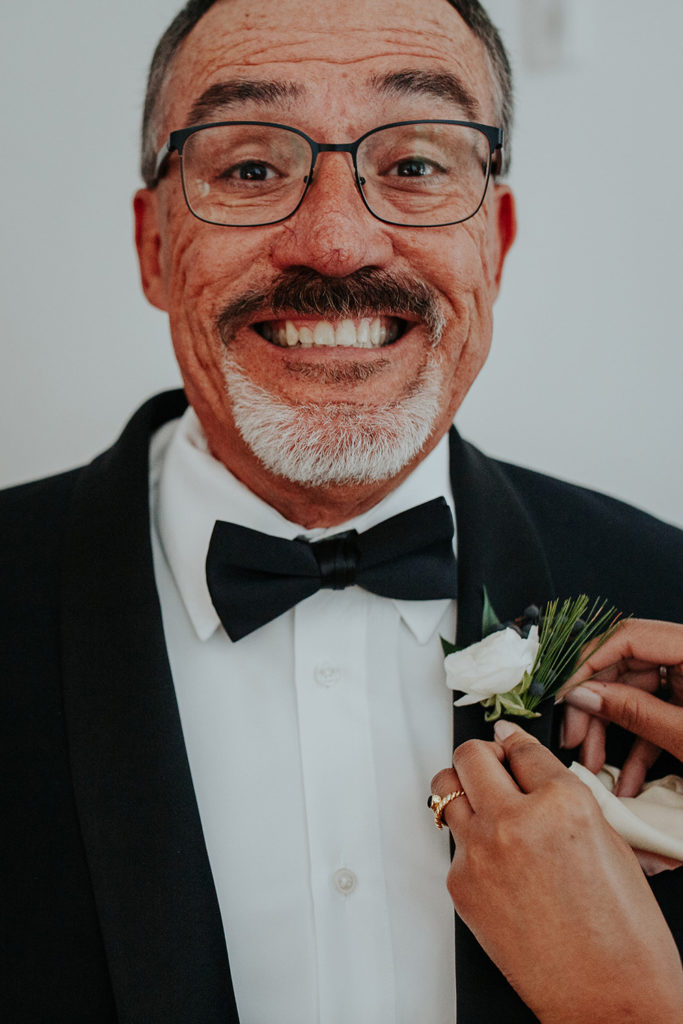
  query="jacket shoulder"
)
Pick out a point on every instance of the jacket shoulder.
point(591, 538)
point(32, 516)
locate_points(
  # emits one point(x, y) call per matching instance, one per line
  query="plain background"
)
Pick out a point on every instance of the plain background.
point(584, 380)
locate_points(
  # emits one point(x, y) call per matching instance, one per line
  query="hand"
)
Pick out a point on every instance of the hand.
point(625, 675)
point(553, 894)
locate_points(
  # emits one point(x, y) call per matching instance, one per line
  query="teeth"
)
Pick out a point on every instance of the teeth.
point(291, 333)
point(344, 334)
point(323, 334)
point(375, 330)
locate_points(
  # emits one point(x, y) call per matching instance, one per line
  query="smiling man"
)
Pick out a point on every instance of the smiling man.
point(227, 694)
point(328, 344)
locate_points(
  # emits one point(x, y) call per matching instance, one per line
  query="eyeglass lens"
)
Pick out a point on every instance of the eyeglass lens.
point(415, 174)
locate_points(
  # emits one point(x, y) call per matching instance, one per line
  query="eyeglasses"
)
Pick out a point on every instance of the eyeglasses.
point(410, 173)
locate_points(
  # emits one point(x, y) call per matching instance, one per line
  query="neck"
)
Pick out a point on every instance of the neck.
point(313, 507)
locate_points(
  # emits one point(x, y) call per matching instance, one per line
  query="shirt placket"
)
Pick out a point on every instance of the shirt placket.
point(348, 890)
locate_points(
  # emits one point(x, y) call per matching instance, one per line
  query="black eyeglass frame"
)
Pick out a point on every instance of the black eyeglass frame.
point(177, 139)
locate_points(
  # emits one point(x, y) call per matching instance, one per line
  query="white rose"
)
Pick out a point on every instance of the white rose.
point(495, 665)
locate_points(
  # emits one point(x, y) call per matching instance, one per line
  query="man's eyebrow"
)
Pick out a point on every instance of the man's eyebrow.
point(441, 84)
point(239, 90)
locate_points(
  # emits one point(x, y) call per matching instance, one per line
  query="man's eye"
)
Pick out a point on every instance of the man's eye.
point(249, 170)
point(414, 168)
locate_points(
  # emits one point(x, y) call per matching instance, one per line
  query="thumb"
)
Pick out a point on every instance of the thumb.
point(636, 710)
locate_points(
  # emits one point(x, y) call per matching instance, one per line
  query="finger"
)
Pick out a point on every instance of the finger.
point(642, 756)
point(458, 812)
point(653, 863)
point(574, 727)
point(479, 766)
point(576, 722)
point(593, 747)
point(530, 763)
point(676, 684)
point(640, 640)
point(641, 713)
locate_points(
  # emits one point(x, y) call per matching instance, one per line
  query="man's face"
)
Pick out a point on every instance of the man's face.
point(335, 72)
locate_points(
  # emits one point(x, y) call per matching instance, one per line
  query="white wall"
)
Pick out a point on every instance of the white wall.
point(585, 376)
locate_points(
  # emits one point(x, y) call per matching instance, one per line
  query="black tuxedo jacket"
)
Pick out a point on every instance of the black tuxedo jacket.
point(109, 910)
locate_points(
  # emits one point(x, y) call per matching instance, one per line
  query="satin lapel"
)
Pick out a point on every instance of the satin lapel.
point(141, 830)
point(498, 548)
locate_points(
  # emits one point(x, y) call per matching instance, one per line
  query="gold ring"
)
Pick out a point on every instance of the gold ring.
point(438, 804)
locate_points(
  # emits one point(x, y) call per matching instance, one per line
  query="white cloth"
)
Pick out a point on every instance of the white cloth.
point(652, 820)
point(311, 744)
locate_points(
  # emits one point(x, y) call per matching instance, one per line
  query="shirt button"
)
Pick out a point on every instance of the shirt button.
point(326, 674)
point(344, 881)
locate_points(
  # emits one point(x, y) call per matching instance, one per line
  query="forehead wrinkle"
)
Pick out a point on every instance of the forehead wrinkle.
point(222, 96)
point(424, 42)
point(443, 85)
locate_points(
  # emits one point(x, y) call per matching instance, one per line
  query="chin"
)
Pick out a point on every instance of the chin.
point(334, 443)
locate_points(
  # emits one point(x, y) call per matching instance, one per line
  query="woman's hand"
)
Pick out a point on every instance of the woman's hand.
point(621, 682)
point(552, 893)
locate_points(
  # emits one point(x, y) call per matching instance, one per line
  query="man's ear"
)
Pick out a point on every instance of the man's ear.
point(503, 227)
point(148, 244)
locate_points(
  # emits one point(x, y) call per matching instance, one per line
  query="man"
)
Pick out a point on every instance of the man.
point(191, 773)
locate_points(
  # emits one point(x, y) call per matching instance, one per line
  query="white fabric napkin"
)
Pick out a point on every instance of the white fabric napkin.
point(651, 821)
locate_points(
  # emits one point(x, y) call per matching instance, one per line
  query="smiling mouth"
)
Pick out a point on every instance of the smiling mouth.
point(368, 332)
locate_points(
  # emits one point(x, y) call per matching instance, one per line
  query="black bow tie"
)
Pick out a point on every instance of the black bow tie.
point(253, 578)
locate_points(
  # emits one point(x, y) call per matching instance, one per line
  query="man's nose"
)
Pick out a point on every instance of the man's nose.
point(332, 232)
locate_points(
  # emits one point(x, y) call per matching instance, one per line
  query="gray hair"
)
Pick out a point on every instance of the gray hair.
point(471, 12)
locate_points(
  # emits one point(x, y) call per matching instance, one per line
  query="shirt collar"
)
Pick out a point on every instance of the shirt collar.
point(194, 490)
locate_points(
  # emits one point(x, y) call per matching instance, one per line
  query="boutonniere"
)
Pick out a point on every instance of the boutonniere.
point(520, 664)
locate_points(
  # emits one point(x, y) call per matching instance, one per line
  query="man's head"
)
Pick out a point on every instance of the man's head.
point(399, 316)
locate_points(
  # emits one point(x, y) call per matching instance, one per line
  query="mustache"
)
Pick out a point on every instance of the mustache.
point(365, 293)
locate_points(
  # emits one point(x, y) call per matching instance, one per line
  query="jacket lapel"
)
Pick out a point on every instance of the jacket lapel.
point(140, 825)
point(499, 548)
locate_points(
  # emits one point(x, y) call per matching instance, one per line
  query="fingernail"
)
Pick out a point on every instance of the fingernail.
point(584, 699)
point(503, 729)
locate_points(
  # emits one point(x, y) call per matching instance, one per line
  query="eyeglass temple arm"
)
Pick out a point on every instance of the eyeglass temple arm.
point(497, 153)
point(162, 157)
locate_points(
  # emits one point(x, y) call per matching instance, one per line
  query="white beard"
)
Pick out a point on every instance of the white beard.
point(333, 443)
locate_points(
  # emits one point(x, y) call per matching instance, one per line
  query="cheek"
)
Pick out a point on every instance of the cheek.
point(197, 264)
point(459, 261)
point(465, 277)
point(206, 270)
point(196, 269)
point(199, 261)
point(479, 283)
point(475, 259)
point(468, 283)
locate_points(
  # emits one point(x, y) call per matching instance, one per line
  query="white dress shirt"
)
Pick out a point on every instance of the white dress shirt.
point(312, 743)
